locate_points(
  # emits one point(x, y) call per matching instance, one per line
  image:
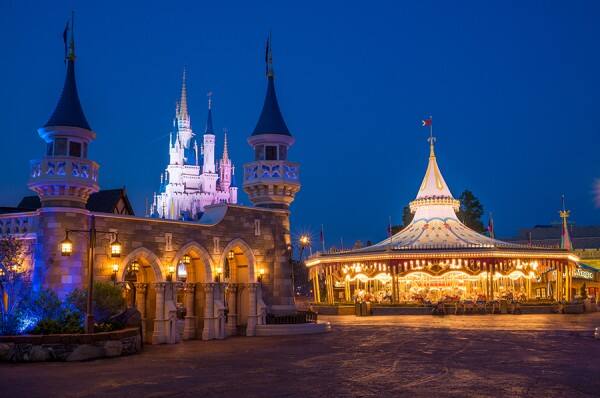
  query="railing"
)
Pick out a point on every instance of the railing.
point(272, 170)
point(17, 224)
point(64, 167)
point(298, 317)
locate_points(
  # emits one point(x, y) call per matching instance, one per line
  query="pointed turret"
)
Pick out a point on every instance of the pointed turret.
point(209, 121)
point(65, 177)
point(184, 123)
point(225, 148)
point(434, 198)
point(183, 107)
point(271, 120)
point(271, 180)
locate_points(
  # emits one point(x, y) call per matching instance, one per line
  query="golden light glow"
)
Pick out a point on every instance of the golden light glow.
point(116, 248)
point(304, 240)
point(134, 266)
point(171, 269)
point(115, 268)
point(230, 255)
point(186, 259)
point(66, 247)
point(219, 270)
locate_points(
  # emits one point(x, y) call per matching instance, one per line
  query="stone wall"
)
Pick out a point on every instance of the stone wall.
point(70, 347)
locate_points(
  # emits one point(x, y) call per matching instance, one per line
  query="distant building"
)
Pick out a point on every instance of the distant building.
point(189, 184)
point(586, 245)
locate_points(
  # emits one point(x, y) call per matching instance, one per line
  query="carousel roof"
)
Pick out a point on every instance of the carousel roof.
point(435, 225)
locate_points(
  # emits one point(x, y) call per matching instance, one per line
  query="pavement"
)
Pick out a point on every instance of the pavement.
point(387, 356)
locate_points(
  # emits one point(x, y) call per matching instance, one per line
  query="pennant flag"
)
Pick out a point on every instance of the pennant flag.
point(490, 226)
point(427, 122)
point(322, 238)
point(65, 34)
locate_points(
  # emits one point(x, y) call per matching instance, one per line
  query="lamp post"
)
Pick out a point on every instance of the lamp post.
point(66, 249)
point(304, 243)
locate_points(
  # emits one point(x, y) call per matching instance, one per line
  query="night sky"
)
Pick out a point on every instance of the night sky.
point(513, 88)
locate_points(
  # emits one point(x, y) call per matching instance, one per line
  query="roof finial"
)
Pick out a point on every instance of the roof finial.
point(71, 56)
point(429, 123)
point(269, 57)
point(565, 240)
point(209, 95)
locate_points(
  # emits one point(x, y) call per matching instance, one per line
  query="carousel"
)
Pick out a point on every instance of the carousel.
point(438, 258)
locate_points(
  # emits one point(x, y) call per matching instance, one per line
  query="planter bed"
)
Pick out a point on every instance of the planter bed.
point(69, 347)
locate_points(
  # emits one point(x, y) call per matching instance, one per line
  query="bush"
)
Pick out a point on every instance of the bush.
point(68, 323)
point(108, 300)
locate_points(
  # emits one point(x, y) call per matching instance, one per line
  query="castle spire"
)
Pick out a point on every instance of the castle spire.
point(271, 120)
point(68, 111)
point(225, 149)
point(183, 107)
point(209, 122)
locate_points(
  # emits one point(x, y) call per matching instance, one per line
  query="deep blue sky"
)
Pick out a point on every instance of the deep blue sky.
point(513, 88)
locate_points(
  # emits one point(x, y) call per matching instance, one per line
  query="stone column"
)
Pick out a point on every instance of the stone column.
point(209, 311)
point(231, 328)
point(140, 303)
point(158, 336)
point(189, 328)
point(252, 315)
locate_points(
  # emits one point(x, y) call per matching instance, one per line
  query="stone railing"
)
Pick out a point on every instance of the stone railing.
point(17, 224)
point(64, 167)
point(70, 347)
point(272, 170)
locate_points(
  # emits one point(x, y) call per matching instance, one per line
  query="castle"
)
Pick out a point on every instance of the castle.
point(186, 187)
point(223, 265)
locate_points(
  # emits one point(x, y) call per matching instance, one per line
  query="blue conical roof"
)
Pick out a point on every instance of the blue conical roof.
point(68, 111)
point(271, 121)
point(209, 123)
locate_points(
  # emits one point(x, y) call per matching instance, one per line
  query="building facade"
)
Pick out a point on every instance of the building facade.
point(224, 270)
point(193, 180)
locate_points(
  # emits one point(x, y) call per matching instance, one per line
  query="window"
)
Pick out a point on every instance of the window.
point(256, 227)
point(75, 149)
point(49, 148)
point(271, 152)
point(259, 152)
point(85, 150)
point(60, 147)
point(282, 152)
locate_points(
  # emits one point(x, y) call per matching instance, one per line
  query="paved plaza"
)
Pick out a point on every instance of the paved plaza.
point(417, 356)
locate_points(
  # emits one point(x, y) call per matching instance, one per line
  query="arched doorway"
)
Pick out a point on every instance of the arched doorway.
point(196, 291)
point(142, 277)
point(242, 293)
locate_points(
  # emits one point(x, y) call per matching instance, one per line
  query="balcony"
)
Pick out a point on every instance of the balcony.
point(57, 169)
point(274, 171)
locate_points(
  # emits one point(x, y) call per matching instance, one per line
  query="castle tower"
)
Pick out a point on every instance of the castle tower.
point(65, 177)
point(271, 180)
point(225, 166)
point(209, 174)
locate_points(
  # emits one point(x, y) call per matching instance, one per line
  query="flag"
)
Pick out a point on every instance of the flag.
point(267, 53)
point(490, 226)
point(427, 122)
point(390, 227)
point(65, 33)
point(322, 238)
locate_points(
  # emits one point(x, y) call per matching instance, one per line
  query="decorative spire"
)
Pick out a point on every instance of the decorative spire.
point(209, 123)
point(565, 239)
point(225, 149)
point(183, 107)
point(68, 111)
point(270, 121)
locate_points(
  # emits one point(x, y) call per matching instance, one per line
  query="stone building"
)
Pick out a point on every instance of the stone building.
point(224, 271)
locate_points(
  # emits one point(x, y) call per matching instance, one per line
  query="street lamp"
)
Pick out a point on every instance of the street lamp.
point(115, 271)
point(171, 271)
point(186, 259)
point(230, 255)
point(66, 249)
point(261, 273)
point(134, 266)
point(219, 271)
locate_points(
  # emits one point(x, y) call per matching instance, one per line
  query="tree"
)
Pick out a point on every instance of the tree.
point(470, 211)
point(15, 283)
point(407, 217)
point(108, 300)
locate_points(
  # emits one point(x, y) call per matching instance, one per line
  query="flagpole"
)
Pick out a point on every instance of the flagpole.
point(322, 239)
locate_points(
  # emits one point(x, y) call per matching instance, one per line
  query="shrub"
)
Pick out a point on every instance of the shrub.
point(69, 322)
point(108, 300)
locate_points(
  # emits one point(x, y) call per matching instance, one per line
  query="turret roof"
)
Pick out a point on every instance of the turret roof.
point(271, 120)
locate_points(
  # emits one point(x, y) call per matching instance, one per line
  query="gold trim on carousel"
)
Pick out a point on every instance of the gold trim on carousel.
point(436, 201)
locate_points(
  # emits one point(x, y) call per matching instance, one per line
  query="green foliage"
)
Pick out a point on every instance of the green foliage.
point(107, 301)
point(470, 211)
point(407, 217)
point(68, 323)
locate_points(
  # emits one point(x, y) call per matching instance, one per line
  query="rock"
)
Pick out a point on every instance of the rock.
point(113, 348)
point(39, 354)
point(86, 352)
point(7, 351)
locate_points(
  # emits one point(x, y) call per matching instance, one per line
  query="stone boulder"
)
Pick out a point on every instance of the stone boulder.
point(86, 352)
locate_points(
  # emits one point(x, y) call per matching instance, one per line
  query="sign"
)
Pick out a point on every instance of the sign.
point(581, 273)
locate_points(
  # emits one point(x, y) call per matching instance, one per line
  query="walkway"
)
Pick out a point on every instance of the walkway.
point(424, 356)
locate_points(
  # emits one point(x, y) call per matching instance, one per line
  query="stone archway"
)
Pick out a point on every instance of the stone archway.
point(149, 290)
point(242, 295)
point(198, 292)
